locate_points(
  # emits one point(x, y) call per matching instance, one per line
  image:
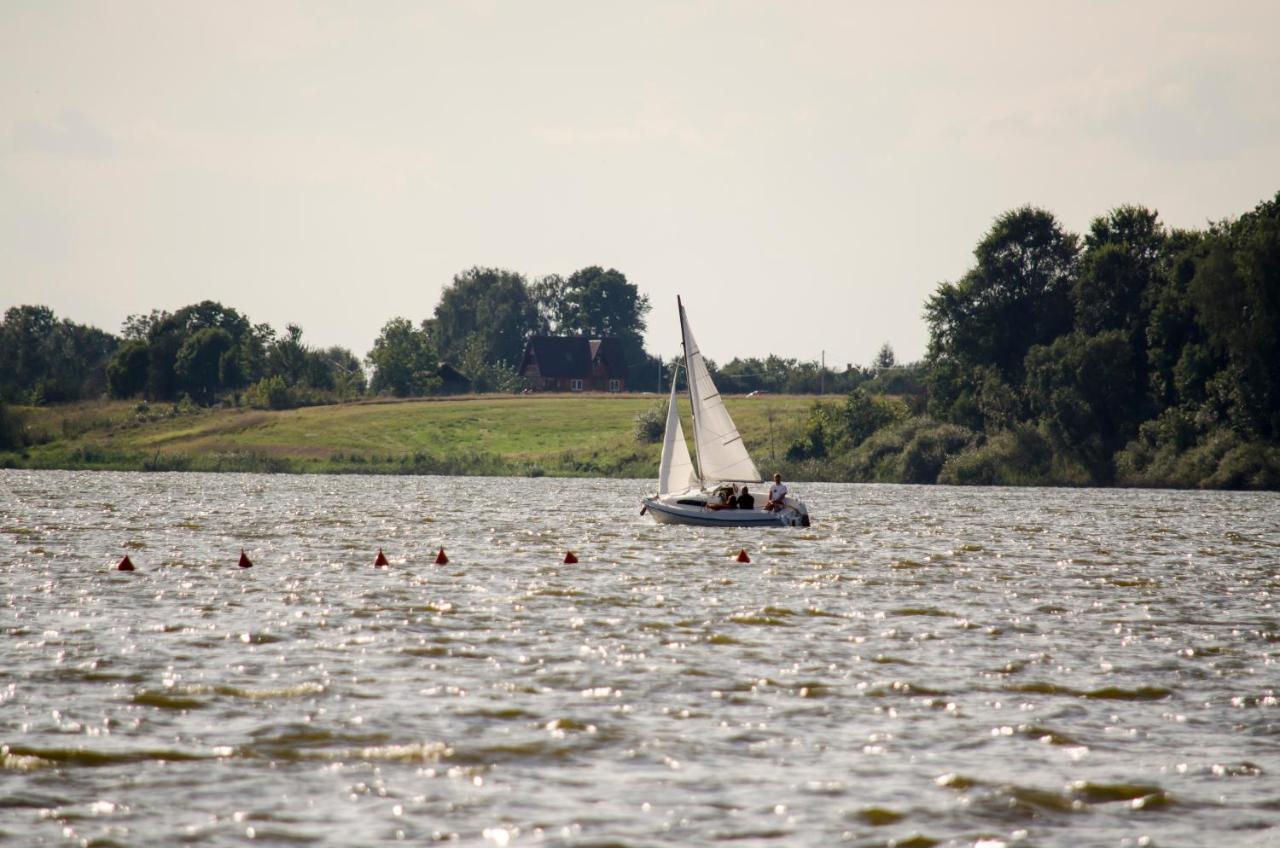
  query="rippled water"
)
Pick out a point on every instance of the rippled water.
point(925, 665)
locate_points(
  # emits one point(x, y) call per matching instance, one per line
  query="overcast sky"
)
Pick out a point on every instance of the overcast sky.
point(804, 174)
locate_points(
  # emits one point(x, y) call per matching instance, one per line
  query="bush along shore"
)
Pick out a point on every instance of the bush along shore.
point(857, 438)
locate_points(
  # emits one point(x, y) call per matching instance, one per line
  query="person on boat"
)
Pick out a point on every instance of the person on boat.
point(727, 500)
point(745, 500)
point(777, 494)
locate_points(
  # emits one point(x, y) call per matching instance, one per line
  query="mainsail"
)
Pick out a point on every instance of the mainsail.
point(675, 473)
point(722, 457)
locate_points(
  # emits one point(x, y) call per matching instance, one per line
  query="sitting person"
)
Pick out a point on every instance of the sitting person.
point(745, 501)
point(727, 500)
point(777, 494)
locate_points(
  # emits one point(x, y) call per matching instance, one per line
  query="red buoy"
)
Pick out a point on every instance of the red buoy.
point(742, 556)
point(381, 560)
point(441, 559)
point(569, 558)
point(245, 562)
point(125, 564)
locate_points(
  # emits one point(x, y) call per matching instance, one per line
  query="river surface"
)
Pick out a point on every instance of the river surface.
point(924, 666)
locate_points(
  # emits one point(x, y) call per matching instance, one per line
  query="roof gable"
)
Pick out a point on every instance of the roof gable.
point(612, 354)
point(560, 356)
point(573, 356)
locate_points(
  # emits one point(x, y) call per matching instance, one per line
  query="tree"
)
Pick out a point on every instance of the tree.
point(1083, 389)
point(1117, 280)
point(1236, 294)
point(348, 377)
point(163, 344)
point(486, 376)
point(167, 334)
point(83, 354)
point(1015, 297)
point(203, 362)
point(600, 304)
point(1172, 329)
point(548, 299)
point(287, 357)
point(44, 359)
point(404, 360)
point(491, 304)
point(138, 326)
point(24, 349)
point(11, 434)
point(1109, 292)
point(127, 371)
point(861, 415)
point(251, 352)
point(740, 376)
point(884, 358)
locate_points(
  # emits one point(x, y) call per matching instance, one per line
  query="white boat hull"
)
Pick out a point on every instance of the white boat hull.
point(671, 511)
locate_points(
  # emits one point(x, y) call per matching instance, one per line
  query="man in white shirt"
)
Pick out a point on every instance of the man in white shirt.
point(777, 492)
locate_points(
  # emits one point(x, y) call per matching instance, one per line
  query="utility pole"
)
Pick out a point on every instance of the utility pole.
point(822, 375)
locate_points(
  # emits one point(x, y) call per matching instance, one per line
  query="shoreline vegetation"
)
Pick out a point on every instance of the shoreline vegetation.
point(577, 435)
point(1133, 355)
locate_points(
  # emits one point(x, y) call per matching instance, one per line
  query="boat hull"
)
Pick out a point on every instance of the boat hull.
point(700, 516)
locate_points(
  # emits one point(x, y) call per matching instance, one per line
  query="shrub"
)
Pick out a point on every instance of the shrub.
point(11, 430)
point(127, 370)
point(269, 393)
point(873, 460)
point(812, 446)
point(186, 406)
point(930, 448)
point(651, 423)
point(834, 429)
point(912, 451)
point(1017, 457)
point(1184, 448)
point(1247, 466)
point(862, 415)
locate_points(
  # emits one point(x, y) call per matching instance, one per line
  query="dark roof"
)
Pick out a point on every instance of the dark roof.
point(448, 374)
point(612, 353)
point(559, 356)
point(572, 356)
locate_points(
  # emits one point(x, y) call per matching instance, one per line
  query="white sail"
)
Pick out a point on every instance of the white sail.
point(675, 473)
point(722, 457)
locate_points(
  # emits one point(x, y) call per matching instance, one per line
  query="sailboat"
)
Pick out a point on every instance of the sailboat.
point(691, 493)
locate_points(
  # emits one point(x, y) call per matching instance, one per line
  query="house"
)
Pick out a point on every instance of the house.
point(573, 364)
point(452, 381)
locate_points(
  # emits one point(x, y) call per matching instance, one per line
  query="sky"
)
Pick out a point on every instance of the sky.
point(803, 174)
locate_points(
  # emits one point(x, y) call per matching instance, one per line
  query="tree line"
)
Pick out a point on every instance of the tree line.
point(486, 315)
point(787, 375)
point(1138, 354)
point(208, 353)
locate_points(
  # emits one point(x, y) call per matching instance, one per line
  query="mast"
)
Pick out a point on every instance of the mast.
point(688, 384)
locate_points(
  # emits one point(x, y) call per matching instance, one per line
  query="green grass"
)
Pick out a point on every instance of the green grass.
point(555, 435)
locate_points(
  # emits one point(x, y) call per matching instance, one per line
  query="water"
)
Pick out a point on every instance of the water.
point(924, 666)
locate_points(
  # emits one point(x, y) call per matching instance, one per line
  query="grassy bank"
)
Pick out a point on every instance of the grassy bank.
point(529, 435)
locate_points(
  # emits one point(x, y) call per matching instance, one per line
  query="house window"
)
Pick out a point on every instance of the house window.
point(615, 385)
point(575, 385)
